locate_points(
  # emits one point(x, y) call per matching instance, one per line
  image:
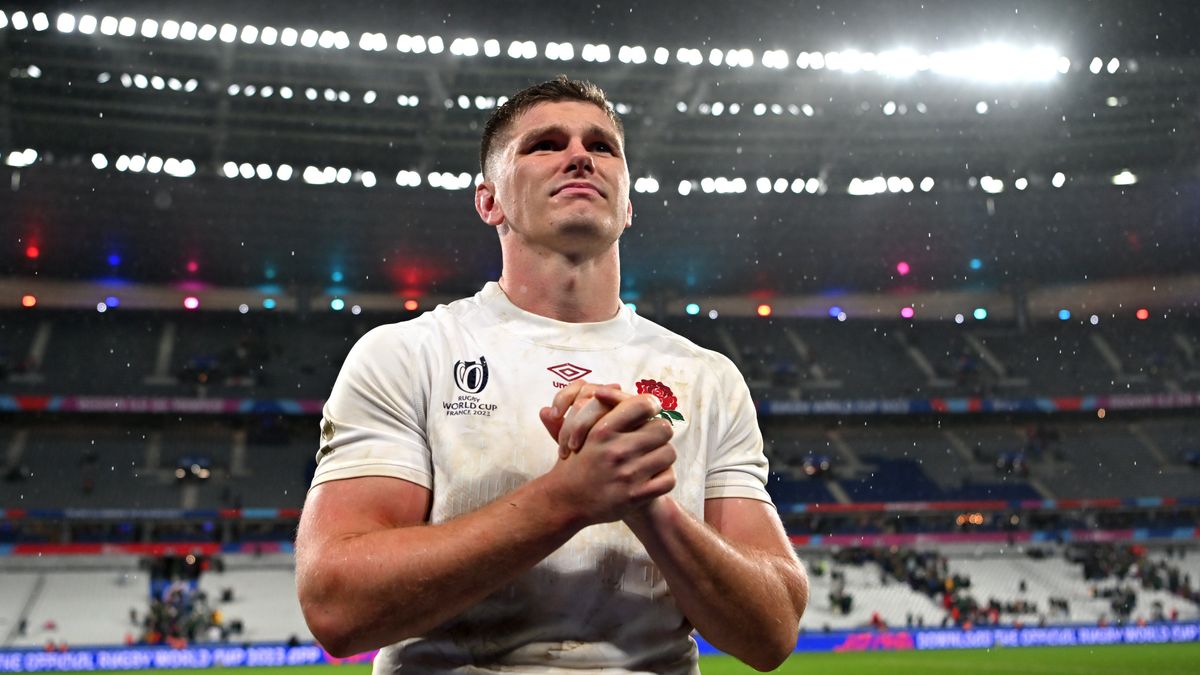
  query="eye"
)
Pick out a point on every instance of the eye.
point(543, 145)
point(602, 146)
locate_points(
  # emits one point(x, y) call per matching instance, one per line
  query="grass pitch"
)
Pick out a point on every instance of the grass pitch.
point(1170, 659)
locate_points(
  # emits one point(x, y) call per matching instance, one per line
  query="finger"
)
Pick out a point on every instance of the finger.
point(579, 424)
point(653, 462)
point(565, 398)
point(551, 421)
point(573, 440)
point(659, 485)
point(630, 413)
point(612, 394)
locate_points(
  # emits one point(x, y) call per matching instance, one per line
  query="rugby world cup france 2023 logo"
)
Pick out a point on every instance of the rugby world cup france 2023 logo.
point(471, 376)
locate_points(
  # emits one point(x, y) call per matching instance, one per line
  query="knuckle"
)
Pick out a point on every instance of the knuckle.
point(601, 433)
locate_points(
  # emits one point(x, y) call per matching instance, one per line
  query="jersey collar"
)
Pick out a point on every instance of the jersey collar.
point(548, 332)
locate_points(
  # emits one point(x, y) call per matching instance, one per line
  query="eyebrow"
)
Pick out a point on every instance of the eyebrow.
point(591, 130)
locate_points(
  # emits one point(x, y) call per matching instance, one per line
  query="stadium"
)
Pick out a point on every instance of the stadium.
point(951, 248)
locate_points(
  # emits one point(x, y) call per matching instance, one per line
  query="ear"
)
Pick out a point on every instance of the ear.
point(629, 215)
point(486, 205)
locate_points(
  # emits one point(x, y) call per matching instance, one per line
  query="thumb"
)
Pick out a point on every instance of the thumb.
point(551, 421)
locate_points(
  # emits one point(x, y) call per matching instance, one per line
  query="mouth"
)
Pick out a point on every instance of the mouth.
point(578, 188)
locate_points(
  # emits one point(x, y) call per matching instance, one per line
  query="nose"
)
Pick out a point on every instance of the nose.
point(579, 161)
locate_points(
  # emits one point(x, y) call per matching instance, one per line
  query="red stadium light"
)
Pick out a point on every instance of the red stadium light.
point(193, 266)
point(903, 269)
point(764, 310)
point(1143, 314)
point(32, 252)
point(191, 302)
point(907, 312)
point(28, 300)
point(411, 305)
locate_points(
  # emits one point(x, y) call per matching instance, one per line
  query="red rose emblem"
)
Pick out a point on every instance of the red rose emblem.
point(666, 398)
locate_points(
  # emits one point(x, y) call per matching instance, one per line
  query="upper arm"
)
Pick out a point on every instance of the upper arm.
point(344, 508)
point(753, 527)
point(748, 524)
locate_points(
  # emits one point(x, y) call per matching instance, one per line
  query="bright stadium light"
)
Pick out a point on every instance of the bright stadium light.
point(149, 28)
point(997, 63)
point(991, 185)
point(1126, 177)
point(65, 23)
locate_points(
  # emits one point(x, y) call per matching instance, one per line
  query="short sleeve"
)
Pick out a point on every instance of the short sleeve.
point(737, 466)
point(373, 423)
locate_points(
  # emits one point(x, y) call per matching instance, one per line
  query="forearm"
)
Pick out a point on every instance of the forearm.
point(361, 591)
point(746, 603)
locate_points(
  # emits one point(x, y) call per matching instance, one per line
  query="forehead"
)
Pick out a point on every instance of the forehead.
point(575, 116)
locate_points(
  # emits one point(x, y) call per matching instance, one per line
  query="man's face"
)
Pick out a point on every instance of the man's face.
point(561, 180)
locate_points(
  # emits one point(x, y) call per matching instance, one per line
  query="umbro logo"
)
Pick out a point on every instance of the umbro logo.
point(569, 372)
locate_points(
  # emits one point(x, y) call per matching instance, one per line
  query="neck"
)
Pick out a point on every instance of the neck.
point(548, 284)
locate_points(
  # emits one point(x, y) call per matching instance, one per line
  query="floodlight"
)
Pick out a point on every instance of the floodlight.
point(1124, 178)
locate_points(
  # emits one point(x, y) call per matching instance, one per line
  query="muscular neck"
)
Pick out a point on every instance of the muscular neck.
point(549, 284)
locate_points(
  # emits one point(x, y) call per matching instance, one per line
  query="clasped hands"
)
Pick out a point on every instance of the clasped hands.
point(615, 454)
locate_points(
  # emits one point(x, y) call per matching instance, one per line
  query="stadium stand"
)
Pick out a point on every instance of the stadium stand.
point(851, 588)
point(292, 356)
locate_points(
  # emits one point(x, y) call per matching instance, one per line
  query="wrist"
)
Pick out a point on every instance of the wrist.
point(654, 515)
point(559, 512)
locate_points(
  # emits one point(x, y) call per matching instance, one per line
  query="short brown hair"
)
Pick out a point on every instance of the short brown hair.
point(558, 89)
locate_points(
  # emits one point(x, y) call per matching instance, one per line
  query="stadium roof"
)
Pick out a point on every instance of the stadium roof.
point(157, 159)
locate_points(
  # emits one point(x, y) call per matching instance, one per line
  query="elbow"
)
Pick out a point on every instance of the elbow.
point(783, 641)
point(326, 617)
point(326, 627)
point(772, 656)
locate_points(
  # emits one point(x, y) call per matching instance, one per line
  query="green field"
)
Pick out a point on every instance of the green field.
point(1173, 659)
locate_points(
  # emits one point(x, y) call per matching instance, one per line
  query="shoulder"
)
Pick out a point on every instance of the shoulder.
point(417, 334)
point(662, 338)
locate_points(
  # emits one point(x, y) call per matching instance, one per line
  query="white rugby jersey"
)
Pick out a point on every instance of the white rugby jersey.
point(450, 401)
